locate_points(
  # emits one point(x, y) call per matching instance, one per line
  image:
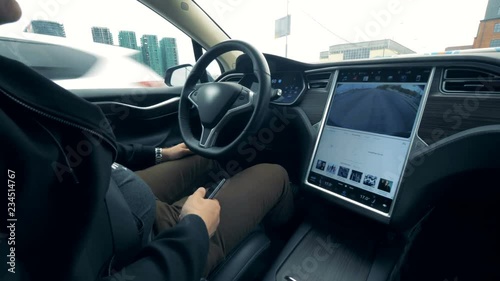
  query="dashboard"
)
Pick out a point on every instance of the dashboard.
point(291, 84)
point(386, 132)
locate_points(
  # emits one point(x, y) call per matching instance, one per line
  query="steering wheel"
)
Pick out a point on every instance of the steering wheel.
point(218, 102)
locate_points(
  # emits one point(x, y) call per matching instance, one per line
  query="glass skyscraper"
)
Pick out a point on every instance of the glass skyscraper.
point(46, 27)
point(151, 53)
point(128, 39)
point(169, 54)
point(102, 35)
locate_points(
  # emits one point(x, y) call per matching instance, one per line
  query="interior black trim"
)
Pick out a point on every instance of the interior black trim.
point(162, 109)
point(469, 150)
point(132, 96)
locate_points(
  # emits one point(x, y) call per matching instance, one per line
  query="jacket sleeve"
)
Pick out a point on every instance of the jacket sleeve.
point(135, 156)
point(177, 254)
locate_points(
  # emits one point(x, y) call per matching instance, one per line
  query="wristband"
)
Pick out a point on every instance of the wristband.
point(158, 155)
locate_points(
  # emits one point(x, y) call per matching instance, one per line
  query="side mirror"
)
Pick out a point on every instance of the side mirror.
point(177, 75)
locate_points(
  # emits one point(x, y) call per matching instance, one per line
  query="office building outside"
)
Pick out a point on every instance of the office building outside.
point(102, 35)
point(151, 53)
point(458, 48)
point(128, 39)
point(488, 33)
point(46, 28)
point(169, 55)
point(364, 50)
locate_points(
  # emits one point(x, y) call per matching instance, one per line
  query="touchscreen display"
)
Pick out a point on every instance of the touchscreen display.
point(367, 135)
point(291, 85)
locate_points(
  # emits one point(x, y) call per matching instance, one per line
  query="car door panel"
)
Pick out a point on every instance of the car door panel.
point(145, 116)
point(133, 96)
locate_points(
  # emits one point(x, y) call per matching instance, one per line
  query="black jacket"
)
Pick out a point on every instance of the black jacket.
point(59, 149)
point(135, 156)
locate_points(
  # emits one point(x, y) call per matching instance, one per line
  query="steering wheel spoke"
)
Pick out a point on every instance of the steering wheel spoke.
point(193, 97)
point(245, 100)
point(209, 136)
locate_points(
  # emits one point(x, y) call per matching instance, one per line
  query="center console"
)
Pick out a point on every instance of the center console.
point(366, 135)
point(334, 244)
point(363, 145)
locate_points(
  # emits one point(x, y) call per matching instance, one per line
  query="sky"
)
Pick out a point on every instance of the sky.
point(421, 25)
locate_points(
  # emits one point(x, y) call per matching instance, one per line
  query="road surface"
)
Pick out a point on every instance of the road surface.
point(374, 110)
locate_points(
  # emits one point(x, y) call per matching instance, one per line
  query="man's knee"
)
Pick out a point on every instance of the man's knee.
point(274, 173)
point(278, 171)
point(204, 164)
point(278, 188)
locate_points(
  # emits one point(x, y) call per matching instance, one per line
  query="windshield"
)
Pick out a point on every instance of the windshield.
point(326, 30)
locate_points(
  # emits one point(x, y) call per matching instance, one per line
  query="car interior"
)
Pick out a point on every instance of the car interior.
point(394, 162)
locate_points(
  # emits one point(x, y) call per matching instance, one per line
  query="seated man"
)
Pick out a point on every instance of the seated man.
point(187, 229)
point(244, 200)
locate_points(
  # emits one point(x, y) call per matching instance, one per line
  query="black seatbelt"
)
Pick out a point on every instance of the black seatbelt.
point(126, 240)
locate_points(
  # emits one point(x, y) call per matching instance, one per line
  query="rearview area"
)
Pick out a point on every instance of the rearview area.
point(380, 108)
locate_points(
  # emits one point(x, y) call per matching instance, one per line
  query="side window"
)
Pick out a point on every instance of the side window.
point(96, 44)
point(214, 70)
point(178, 75)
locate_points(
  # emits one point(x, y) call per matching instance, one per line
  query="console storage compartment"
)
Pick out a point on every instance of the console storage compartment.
point(337, 252)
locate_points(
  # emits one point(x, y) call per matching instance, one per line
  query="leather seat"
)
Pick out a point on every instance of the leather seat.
point(245, 262)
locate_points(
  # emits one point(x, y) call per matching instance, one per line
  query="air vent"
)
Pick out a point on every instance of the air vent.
point(470, 81)
point(318, 80)
point(236, 78)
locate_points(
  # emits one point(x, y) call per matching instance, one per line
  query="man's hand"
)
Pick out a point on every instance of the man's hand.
point(207, 209)
point(175, 152)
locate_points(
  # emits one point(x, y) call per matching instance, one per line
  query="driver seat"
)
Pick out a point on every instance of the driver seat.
point(117, 240)
point(244, 263)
